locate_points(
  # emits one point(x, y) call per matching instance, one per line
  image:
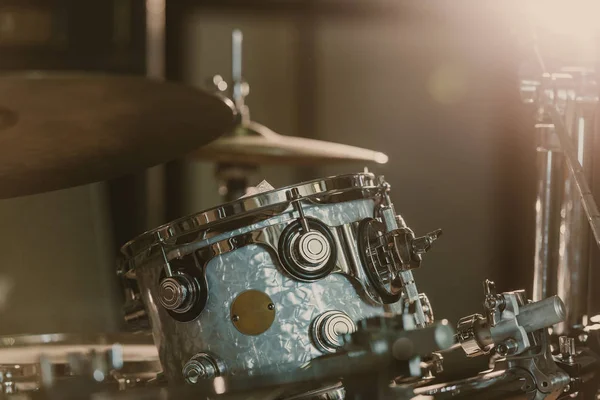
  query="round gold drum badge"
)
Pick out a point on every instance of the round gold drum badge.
point(252, 312)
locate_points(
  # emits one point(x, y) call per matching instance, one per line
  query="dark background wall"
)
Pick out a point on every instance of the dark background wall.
point(431, 84)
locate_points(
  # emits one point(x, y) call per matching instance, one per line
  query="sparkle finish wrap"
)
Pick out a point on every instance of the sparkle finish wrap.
point(232, 269)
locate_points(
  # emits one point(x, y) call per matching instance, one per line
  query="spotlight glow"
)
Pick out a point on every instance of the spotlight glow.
point(576, 18)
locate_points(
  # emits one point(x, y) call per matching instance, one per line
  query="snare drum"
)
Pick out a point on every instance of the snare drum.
point(22, 359)
point(272, 279)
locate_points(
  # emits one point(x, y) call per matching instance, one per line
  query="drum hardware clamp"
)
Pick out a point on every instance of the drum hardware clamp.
point(426, 305)
point(508, 322)
point(401, 251)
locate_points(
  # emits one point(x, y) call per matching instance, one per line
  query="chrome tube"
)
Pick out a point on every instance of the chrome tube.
point(574, 248)
point(568, 100)
point(155, 69)
point(549, 198)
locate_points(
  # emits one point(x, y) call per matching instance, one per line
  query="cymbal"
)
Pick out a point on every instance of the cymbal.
point(59, 130)
point(253, 143)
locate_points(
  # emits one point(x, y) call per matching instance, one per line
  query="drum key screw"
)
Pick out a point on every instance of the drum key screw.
point(294, 196)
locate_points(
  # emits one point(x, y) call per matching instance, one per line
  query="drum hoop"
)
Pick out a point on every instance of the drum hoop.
point(196, 222)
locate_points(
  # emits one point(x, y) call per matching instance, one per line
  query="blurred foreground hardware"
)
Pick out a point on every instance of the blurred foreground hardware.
point(381, 357)
point(29, 363)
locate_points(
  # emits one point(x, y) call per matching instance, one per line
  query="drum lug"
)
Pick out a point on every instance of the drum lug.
point(201, 367)
point(327, 330)
point(307, 255)
point(306, 247)
point(177, 293)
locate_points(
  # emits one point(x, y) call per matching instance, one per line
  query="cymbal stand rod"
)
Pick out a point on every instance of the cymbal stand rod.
point(237, 39)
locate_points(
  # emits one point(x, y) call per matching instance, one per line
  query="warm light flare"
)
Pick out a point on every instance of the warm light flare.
point(574, 18)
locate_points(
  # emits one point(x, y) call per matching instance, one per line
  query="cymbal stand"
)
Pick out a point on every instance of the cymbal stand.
point(233, 178)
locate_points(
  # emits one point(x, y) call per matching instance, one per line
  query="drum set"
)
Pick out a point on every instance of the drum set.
point(300, 292)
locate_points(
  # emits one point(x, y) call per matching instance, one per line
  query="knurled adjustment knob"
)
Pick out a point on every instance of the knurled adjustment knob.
point(328, 329)
point(177, 293)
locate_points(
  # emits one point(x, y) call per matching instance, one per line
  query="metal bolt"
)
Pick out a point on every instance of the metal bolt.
point(235, 318)
point(567, 347)
point(567, 388)
point(271, 306)
point(502, 350)
point(507, 348)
